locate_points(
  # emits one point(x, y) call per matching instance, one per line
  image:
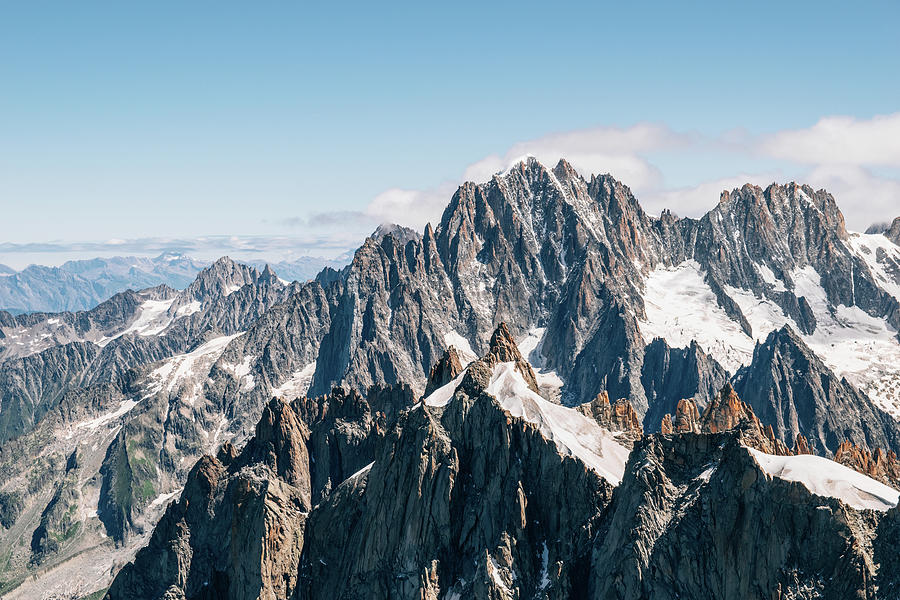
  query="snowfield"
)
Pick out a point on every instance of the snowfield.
point(297, 384)
point(827, 478)
point(681, 307)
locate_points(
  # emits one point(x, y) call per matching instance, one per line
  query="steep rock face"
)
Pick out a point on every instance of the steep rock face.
point(479, 495)
point(347, 430)
point(30, 386)
point(617, 417)
point(669, 375)
point(783, 228)
point(59, 519)
point(685, 523)
point(790, 388)
point(237, 531)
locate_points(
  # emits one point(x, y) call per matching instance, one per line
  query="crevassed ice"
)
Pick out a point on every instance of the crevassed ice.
point(681, 307)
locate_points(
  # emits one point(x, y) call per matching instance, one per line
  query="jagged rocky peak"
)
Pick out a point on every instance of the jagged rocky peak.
point(280, 444)
point(687, 418)
point(398, 232)
point(238, 529)
point(619, 416)
point(444, 371)
point(221, 279)
point(789, 387)
point(503, 349)
point(778, 205)
point(725, 412)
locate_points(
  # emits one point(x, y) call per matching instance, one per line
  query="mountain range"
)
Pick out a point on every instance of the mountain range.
point(548, 394)
point(83, 284)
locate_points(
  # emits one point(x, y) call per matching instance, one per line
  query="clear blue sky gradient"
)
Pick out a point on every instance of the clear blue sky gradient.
point(130, 120)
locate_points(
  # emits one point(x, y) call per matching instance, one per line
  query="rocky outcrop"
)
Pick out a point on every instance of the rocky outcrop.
point(879, 464)
point(893, 232)
point(789, 387)
point(727, 411)
point(687, 418)
point(237, 531)
point(801, 445)
point(618, 417)
point(444, 371)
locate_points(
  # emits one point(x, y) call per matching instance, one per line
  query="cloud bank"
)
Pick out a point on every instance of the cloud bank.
point(857, 160)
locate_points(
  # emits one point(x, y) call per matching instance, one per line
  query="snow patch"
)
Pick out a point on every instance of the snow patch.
point(124, 407)
point(769, 277)
point(867, 247)
point(188, 309)
point(183, 366)
point(164, 498)
point(827, 478)
point(297, 384)
point(442, 395)
point(152, 319)
point(530, 345)
point(463, 348)
point(362, 471)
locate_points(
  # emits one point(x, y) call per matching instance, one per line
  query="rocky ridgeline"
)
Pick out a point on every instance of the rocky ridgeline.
point(349, 497)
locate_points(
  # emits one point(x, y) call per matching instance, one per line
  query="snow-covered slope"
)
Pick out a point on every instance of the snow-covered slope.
point(573, 433)
point(680, 307)
point(828, 478)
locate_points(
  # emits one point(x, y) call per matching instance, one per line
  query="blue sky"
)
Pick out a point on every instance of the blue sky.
point(290, 128)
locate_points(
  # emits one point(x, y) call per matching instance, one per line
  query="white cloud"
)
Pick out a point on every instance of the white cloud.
point(864, 198)
point(840, 141)
point(412, 208)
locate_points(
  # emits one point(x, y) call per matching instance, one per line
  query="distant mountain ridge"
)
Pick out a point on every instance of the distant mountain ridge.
point(83, 284)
